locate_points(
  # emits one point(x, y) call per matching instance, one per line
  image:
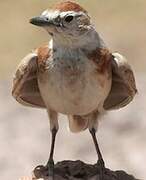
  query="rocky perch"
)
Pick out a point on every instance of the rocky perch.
point(78, 170)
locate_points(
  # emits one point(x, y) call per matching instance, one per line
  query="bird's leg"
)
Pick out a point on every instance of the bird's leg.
point(50, 163)
point(54, 128)
point(100, 158)
point(93, 124)
point(48, 170)
point(100, 161)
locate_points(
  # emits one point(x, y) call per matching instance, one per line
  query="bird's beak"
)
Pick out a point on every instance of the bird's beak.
point(41, 21)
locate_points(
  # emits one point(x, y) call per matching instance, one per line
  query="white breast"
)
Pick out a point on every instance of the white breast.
point(71, 85)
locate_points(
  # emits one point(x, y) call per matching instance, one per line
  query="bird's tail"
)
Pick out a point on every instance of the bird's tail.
point(77, 123)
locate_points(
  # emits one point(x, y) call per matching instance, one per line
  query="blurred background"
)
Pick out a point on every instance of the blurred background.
point(24, 132)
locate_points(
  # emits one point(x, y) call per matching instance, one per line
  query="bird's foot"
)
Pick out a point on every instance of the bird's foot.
point(45, 171)
point(102, 169)
point(104, 173)
point(50, 167)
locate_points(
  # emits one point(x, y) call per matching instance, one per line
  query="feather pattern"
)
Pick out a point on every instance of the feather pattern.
point(123, 87)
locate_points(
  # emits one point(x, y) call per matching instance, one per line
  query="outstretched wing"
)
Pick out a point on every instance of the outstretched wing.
point(25, 85)
point(123, 87)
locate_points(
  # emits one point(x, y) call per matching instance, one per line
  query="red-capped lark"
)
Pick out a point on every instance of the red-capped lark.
point(73, 74)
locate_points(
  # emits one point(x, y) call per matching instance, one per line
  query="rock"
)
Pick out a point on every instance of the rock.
point(77, 170)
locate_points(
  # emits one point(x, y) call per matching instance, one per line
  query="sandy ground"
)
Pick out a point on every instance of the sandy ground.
point(25, 137)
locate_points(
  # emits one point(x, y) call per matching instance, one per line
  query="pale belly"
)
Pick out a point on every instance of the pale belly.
point(71, 92)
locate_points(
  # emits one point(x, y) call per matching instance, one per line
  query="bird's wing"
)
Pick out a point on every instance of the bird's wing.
point(123, 87)
point(25, 85)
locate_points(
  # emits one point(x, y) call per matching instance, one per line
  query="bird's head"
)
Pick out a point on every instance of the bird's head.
point(66, 20)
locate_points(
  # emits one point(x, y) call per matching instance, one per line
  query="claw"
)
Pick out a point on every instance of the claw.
point(47, 171)
point(40, 171)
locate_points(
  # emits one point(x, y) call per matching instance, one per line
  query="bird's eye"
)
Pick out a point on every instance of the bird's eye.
point(68, 19)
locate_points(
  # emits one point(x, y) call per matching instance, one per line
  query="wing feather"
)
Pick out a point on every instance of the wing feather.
point(123, 87)
point(25, 85)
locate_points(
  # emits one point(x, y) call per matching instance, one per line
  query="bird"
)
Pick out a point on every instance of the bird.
point(75, 74)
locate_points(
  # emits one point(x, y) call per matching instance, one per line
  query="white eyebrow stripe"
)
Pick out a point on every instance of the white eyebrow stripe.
point(62, 14)
point(50, 14)
point(44, 13)
point(53, 14)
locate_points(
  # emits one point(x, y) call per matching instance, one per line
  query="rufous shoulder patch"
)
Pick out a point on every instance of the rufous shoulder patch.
point(43, 53)
point(69, 6)
point(102, 57)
